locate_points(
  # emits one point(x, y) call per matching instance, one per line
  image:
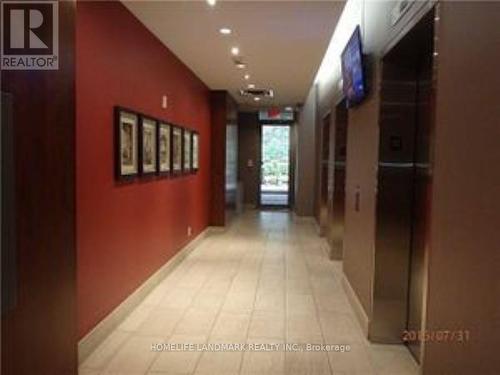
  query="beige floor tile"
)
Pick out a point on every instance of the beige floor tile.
point(104, 352)
point(158, 292)
point(208, 300)
point(178, 362)
point(298, 286)
point(301, 304)
point(333, 303)
point(267, 324)
point(239, 302)
point(355, 361)
point(83, 371)
point(392, 360)
point(196, 322)
point(243, 287)
point(296, 274)
point(135, 356)
point(273, 269)
point(220, 363)
point(154, 298)
point(266, 277)
point(307, 363)
point(339, 328)
point(270, 284)
point(217, 284)
point(178, 298)
point(270, 301)
point(324, 285)
point(303, 329)
point(160, 322)
point(263, 363)
point(194, 278)
point(230, 328)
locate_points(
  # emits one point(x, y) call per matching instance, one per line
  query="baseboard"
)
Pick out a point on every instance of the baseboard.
point(359, 311)
point(106, 326)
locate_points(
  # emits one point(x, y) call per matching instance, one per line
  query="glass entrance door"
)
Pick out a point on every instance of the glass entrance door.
point(275, 170)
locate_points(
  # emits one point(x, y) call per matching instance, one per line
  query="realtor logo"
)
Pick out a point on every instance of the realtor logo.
point(30, 35)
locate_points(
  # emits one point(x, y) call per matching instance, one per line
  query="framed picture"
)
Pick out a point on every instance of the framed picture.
point(164, 148)
point(176, 149)
point(187, 151)
point(126, 144)
point(195, 151)
point(148, 144)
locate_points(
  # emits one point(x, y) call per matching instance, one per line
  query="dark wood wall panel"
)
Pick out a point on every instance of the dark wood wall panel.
point(39, 332)
point(224, 138)
point(249, 141)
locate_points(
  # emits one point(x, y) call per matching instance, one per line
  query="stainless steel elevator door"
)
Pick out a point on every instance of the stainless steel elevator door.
point(404, 185)
point(422, 183)
point(339, 167)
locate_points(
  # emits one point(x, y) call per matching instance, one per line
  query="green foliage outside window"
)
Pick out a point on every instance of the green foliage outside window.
point(275, 155)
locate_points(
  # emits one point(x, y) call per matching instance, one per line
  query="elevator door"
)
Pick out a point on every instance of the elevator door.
point(324, 166)
point(336, 237)
point(421, 199)
point(403, 190)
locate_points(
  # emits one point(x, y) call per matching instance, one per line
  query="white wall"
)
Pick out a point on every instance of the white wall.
point(305, 158)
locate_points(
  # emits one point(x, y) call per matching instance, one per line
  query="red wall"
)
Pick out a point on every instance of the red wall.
point(125, 232)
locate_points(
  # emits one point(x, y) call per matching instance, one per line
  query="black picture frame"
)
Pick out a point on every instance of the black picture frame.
point(177, 150)
point(126, 143)
point(186, 151)
point(195, 151)
point(148, 143)
point(164, 168)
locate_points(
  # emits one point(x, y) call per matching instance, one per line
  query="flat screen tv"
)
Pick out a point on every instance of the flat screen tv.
point(353, 70)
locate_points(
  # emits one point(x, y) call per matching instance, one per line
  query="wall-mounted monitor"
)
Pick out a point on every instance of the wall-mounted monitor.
point(353, 74)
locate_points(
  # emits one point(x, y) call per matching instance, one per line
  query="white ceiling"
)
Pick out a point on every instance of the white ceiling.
point(282, 42)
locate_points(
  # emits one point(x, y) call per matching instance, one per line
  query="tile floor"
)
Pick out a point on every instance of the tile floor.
point(265, 280)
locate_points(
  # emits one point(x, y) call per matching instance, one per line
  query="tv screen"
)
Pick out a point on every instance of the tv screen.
point(352, 70)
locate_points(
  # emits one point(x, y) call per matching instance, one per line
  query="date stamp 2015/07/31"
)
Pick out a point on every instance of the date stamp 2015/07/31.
point(460, 336)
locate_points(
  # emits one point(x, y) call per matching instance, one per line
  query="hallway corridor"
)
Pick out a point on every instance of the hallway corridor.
point(266, 279)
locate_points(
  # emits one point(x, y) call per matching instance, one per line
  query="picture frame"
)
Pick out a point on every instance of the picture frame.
point(126, 143)
point(164, 149)
point(195, 151)
point(176, 150)
point(186, 151)
point(148, 145)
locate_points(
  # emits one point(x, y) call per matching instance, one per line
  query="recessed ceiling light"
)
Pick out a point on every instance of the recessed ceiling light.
point(256, 99)
point(247, 76)
point(289, 108)
point(211, 2)
point(251, 86)
point(225, 30)
point(235, 51)
point(241, 65)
